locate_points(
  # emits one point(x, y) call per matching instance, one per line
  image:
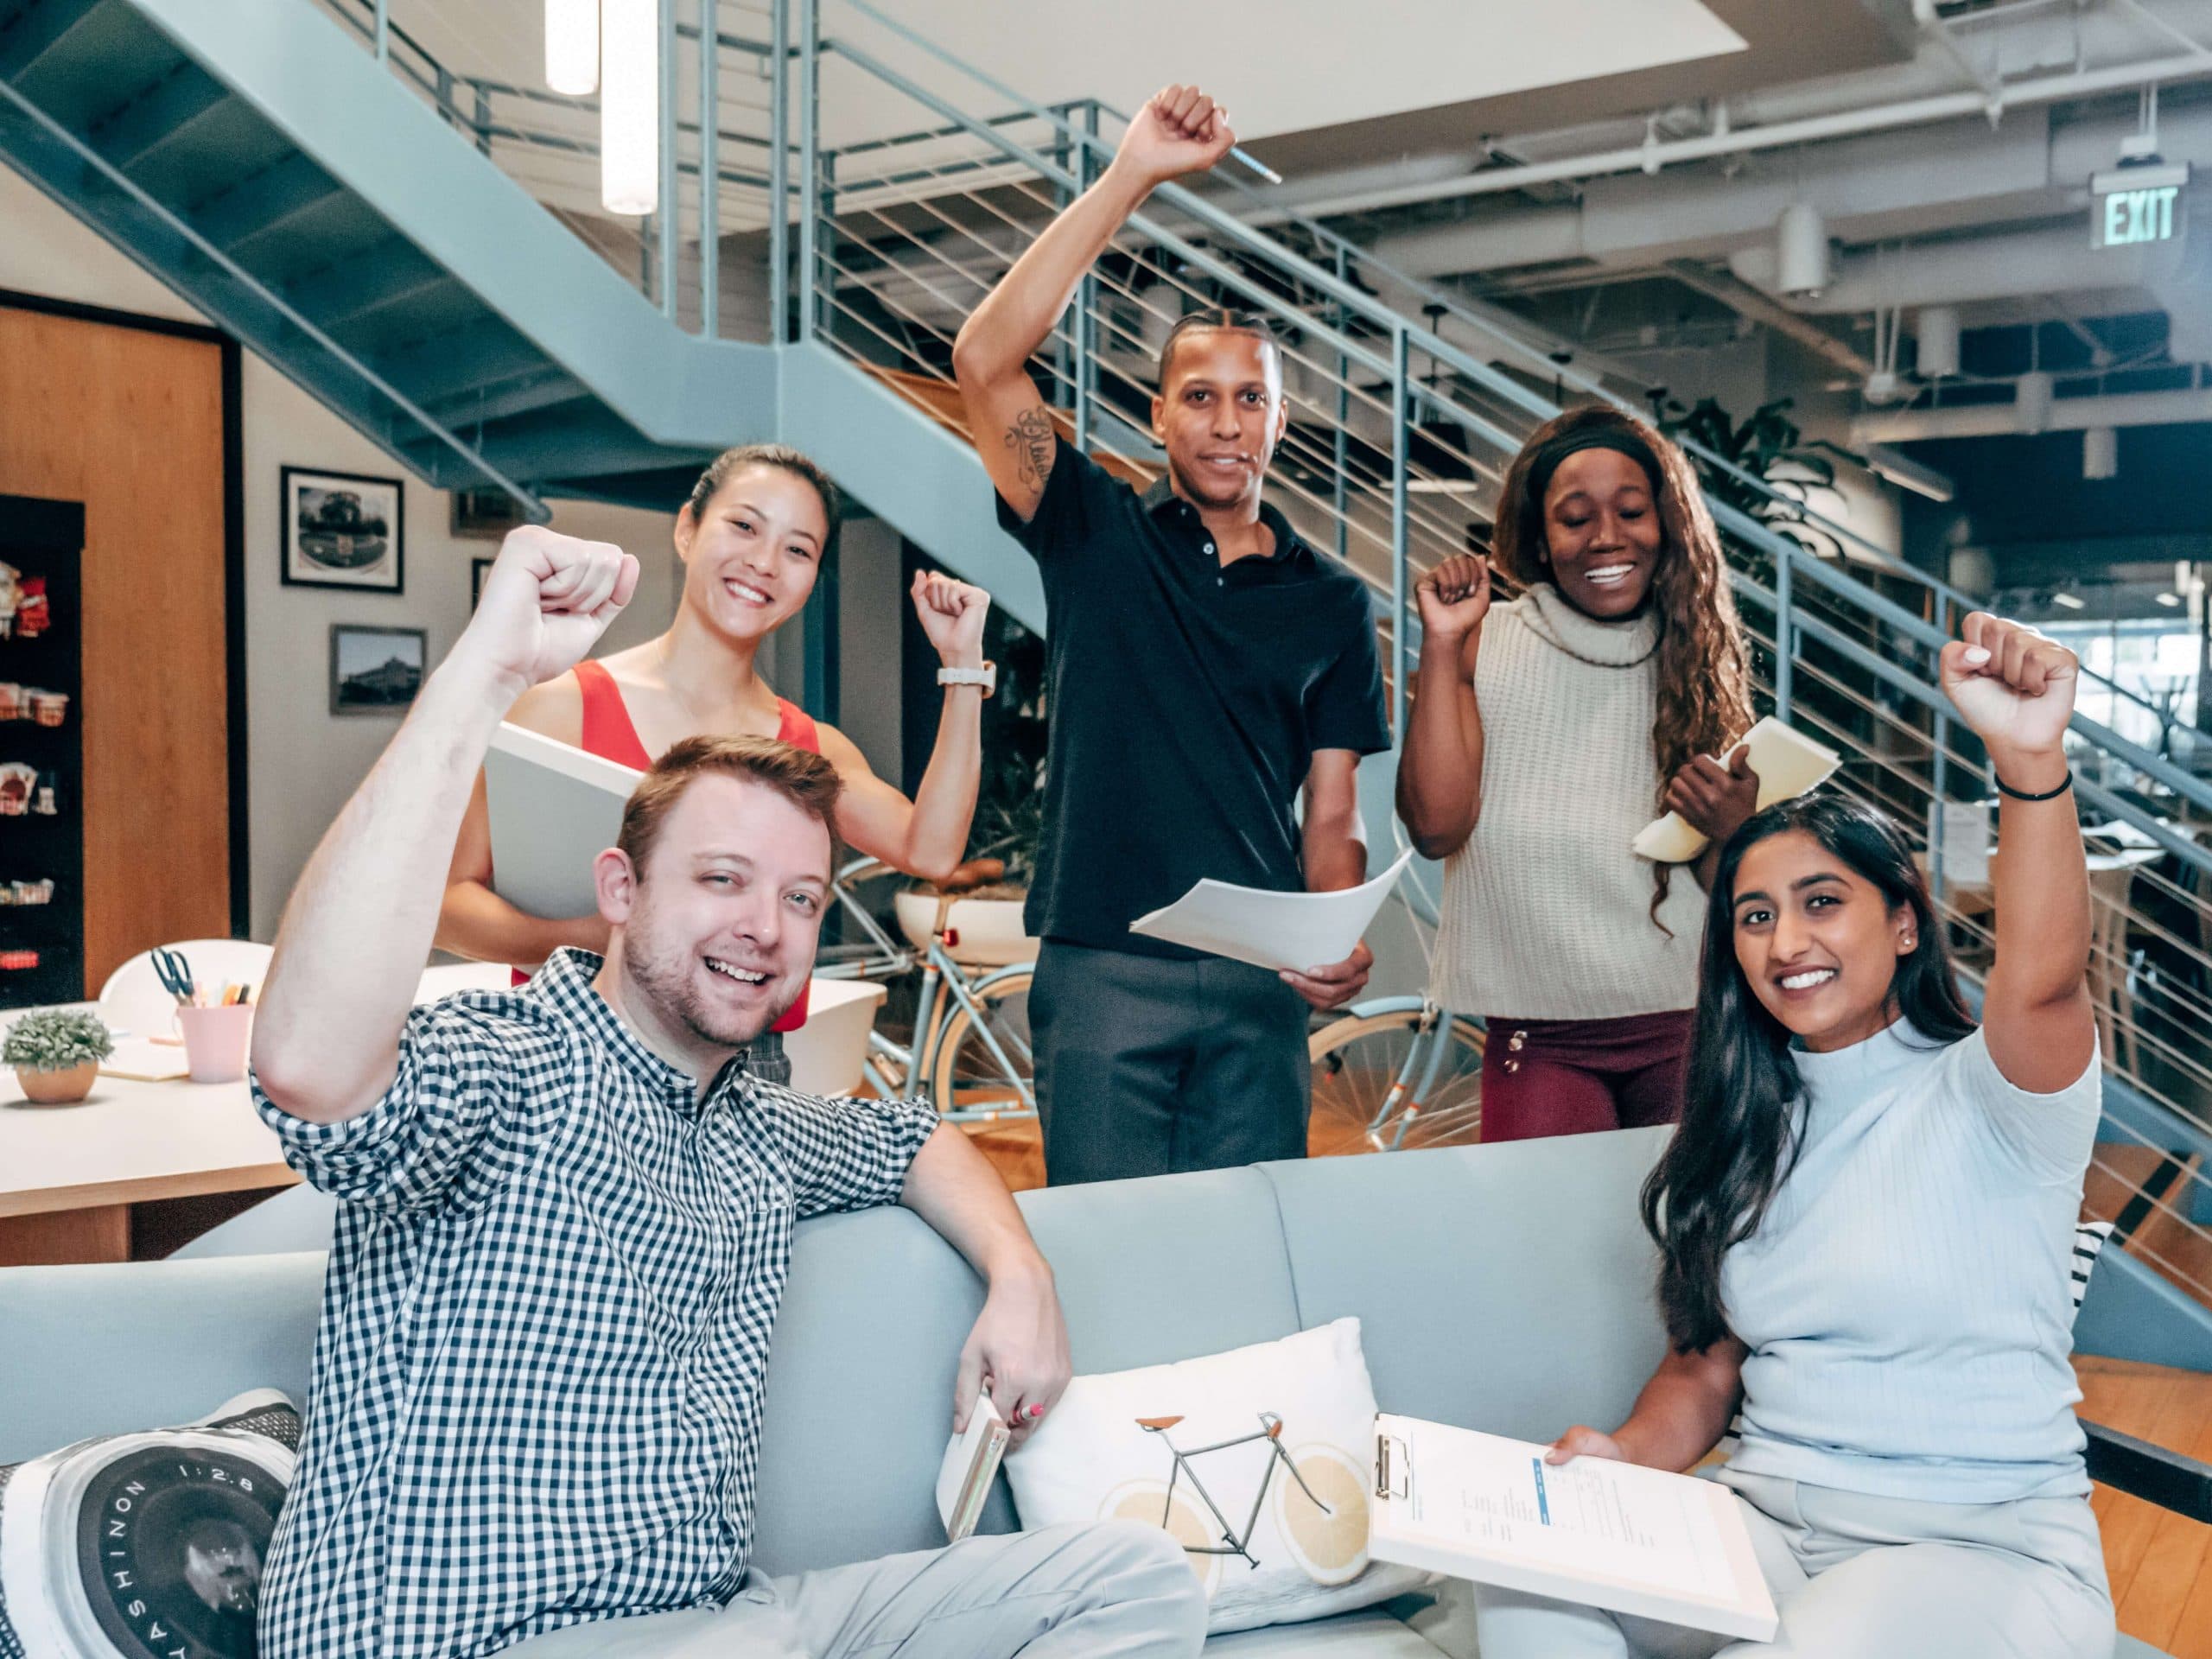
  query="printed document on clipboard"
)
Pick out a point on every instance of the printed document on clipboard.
point(1608, 1534)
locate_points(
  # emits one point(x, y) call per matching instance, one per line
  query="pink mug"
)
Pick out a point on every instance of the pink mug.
point(215, 1041)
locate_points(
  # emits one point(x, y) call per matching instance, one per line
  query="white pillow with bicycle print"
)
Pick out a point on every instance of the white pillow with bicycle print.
point(1260, 1461)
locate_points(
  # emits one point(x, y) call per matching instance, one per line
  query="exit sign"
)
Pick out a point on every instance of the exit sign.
point(2132, 206)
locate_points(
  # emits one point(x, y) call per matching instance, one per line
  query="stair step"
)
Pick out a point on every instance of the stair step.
point(40, 29)
point(481, 407)
point(483, 354)
point(132, 131)
point(350, 288)
point(270, 198)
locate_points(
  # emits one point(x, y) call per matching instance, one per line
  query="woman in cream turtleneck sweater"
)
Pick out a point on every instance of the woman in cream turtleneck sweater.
point(1545, 733)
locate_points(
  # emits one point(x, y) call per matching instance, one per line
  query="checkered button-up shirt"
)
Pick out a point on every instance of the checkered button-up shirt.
point(537, 1382)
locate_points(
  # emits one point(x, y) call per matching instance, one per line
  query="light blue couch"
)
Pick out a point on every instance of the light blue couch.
point(1507, 1287)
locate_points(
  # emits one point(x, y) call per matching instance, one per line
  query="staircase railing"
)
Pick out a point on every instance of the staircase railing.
point(908, 206)
point(1399, 437)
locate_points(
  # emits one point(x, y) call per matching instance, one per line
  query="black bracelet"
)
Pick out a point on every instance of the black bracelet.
point(2003, 788)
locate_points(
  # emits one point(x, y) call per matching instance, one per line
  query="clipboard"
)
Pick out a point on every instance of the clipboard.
point(1616, 1536)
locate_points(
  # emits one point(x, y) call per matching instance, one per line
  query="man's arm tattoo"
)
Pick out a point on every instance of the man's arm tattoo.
point(1031, 438)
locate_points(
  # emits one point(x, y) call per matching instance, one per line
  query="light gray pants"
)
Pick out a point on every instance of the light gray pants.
point(1855, 1577)
point(1118, 1590)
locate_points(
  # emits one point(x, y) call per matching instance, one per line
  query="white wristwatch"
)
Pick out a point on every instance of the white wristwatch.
point(986, 677)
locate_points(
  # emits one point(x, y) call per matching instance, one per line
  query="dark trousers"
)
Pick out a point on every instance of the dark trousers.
point(1146, 1066)
point(1570, 1076)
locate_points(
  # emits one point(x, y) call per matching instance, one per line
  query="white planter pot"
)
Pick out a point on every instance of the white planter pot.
point(989, 930)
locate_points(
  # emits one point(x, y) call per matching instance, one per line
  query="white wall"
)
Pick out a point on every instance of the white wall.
point(301, 762)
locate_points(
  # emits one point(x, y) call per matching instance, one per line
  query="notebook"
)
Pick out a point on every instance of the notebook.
point(971, 1463)
point(554, 811)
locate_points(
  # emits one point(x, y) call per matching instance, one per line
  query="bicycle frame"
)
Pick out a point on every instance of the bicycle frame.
point(1232, 1543)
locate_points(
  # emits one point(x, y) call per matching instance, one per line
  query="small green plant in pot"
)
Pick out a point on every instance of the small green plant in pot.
point(56, 1054)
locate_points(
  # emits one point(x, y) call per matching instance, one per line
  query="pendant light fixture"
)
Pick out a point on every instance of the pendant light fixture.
point(572, 46)
point(629, 106)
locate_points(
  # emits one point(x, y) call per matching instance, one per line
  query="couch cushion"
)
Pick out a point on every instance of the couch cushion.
point(877, 1307)
point(106, 1349)
point(1372, 1634)
point(1478, 1307)
point(1195, 1265)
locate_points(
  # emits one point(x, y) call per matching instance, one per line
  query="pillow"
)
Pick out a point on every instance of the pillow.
point(1269, 1495)
point(146, 1545)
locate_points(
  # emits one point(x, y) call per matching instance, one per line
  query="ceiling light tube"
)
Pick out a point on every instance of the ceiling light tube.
point(572, 46)
point(629, 106)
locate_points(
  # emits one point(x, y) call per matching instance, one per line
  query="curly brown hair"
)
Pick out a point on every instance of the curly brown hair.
point(1704, 665)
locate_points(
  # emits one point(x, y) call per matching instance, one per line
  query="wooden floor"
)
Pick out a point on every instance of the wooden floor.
point(2165, 1237)
point(2160, 1565)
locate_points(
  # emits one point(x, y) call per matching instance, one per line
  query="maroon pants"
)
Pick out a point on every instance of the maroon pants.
point(1570, 1076)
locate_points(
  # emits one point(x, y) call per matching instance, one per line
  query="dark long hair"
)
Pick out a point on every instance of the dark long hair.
point(1742, 1119)
point(1704, 666)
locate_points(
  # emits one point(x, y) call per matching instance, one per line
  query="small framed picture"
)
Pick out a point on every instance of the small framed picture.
point(343, 531)
point(478, 570)
point(487, 514)
point(375, 671)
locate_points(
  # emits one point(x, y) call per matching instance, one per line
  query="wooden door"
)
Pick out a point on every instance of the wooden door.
point(129, 418)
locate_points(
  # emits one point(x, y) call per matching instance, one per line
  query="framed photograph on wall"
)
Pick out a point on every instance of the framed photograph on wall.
point(478, 570)
point(375, 671)
point(342, 530)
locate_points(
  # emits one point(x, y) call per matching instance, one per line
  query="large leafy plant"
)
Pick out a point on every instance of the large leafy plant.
point(55, 1040)
point(1770, 447)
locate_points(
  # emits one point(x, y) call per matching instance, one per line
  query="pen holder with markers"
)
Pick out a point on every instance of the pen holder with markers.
point(215, 1041)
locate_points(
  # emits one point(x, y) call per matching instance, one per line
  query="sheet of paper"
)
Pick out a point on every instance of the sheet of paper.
point(1591, 1514)
point(1788, 764)
point(1611, 1535)
point(971, 1463)
point(1282, 930)
point(141, 1059)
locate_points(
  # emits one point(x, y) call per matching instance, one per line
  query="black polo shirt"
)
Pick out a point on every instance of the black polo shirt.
point(1185, 699)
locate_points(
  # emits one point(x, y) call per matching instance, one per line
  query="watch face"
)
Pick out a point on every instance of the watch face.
point(170, 1543)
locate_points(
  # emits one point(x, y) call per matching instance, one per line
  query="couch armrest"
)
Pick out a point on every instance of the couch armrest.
point(2151, 1472)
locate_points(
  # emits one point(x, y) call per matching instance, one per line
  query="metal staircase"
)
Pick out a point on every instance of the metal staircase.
point(372, 196)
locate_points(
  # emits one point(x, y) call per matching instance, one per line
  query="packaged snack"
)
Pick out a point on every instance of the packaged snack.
point(49, 708)
point(32, 616)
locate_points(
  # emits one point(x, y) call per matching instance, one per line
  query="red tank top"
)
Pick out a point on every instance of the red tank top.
point(609, 734)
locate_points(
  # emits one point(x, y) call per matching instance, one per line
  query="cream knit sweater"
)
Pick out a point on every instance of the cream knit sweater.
point(1546, 912)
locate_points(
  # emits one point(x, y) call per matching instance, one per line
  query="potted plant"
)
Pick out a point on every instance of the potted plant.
point(56, 1054)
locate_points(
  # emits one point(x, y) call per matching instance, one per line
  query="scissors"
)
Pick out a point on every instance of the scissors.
point(175, 976)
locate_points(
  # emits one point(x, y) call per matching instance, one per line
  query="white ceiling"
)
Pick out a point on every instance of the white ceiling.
point(1285, 66)
point(1281, 66)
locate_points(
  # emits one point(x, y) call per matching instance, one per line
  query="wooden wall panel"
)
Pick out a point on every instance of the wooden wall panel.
point(130, 423)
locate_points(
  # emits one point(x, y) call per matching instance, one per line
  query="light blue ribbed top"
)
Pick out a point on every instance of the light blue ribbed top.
point(1906, 1300)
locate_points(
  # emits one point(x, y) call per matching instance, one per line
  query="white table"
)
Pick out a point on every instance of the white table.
point(69, 1174)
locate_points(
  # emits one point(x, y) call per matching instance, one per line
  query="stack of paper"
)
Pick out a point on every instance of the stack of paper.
point(554, 811)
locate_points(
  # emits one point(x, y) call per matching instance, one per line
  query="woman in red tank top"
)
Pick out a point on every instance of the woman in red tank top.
point(752, 537)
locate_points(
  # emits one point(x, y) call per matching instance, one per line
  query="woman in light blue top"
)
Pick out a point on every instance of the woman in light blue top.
point(1866, 1221)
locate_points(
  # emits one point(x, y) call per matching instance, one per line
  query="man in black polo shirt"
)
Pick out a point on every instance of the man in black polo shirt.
point(1205, 666)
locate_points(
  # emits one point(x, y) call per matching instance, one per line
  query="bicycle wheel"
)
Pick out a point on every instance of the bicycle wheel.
point(1358, 1105)
point(968, 1080)
point(1327, 1538)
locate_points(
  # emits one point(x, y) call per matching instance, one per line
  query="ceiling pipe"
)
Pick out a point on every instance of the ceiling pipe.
point(2008, 265)
point(2009, 420)
point(1746, 301)
point(1652, 157)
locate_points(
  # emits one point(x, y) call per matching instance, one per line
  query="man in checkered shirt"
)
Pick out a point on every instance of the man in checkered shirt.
point(568, 1218)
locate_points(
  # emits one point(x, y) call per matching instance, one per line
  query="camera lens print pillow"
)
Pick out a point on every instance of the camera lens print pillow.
point(146, 1545)
point(1259, 1462)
